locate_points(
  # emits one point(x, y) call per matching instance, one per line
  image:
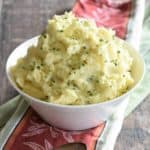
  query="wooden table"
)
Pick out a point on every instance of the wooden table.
point(23, 19)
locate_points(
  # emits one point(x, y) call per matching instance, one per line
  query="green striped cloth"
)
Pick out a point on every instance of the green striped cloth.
point(144, 47)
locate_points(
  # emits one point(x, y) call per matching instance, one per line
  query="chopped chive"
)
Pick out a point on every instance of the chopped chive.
point(88, 102)
point(52, 80)
point(23, 67)
point(101, 40)
point(44, 35)
point(97, 81)
point(114, 62)
point(74, 85)
point(90, 79)
point(68, 83)
point(46, 96)
point(84, 47)
point(38, 67)
point(90, 93)
point(83, 64)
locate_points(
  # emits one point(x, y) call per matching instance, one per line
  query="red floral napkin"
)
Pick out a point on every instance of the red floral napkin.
point(109, 13)
point(35, 134)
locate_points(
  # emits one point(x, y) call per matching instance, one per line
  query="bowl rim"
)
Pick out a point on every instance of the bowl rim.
point(70, 106)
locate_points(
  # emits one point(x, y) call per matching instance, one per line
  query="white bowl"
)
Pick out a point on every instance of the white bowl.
point(74, 117)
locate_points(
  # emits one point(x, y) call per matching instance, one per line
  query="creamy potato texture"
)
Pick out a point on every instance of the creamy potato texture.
point(75, 63)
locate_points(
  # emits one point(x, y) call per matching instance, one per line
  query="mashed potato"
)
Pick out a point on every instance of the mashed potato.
point(75, 63)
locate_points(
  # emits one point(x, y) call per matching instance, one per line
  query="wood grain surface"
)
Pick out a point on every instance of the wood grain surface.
point(23, 19)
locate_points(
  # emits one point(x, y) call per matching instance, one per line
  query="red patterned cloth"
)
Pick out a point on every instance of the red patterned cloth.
point(106, 13)
point(34, 133)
